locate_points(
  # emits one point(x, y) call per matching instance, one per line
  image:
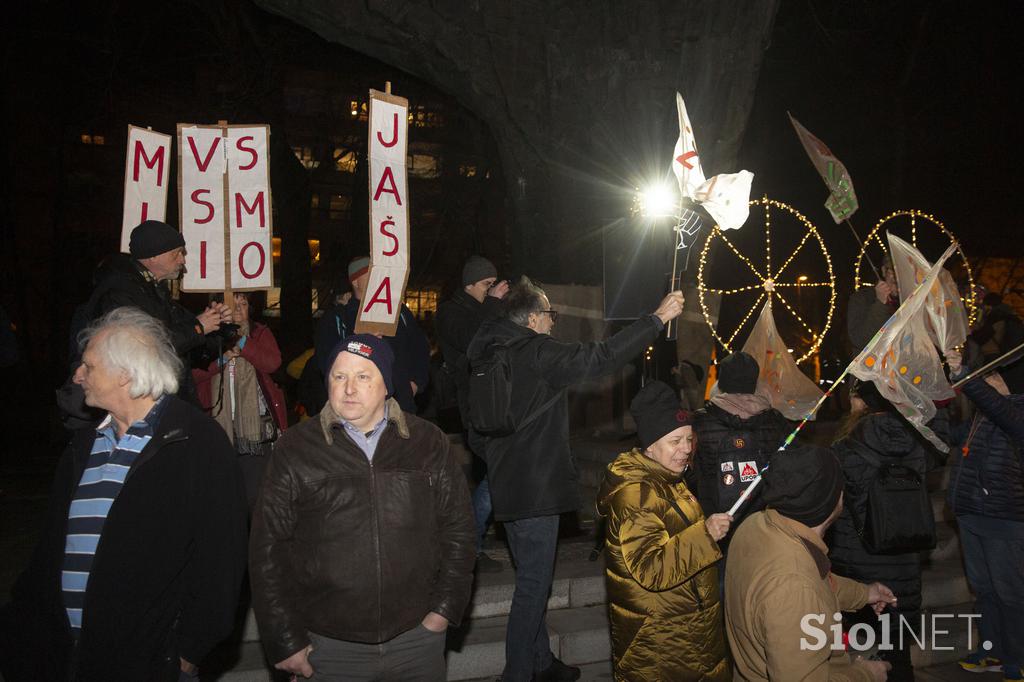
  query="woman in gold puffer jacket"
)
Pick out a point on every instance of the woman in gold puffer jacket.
point(662, 554)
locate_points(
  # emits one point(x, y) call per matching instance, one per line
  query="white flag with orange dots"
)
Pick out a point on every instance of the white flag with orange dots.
point(902, 361)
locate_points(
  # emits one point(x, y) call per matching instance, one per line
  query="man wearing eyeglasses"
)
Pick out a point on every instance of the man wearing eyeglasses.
point(532, 475)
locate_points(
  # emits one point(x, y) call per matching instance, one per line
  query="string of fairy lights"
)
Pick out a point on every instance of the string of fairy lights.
point(767, 283)
point(969, 300)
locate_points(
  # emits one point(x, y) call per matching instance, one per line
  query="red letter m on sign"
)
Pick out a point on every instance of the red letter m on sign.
point(257, 204)
point(157, 160)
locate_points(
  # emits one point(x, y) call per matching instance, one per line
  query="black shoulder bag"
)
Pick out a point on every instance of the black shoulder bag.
point(898, 516)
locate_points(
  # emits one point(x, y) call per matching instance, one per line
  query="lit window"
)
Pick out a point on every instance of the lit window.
point(421, 301)
point(98, 139)
point(86, 139)
point(314, 201)
point(467, 171)
point(423, 166)
point(344, 162)
point(305, 157)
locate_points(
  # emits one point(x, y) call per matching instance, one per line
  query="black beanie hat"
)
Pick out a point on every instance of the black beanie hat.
point(368, 346)
point(738, 373)
point(476, 269)
point(657, 412)
point(868, 392)
point(803, 483)
point(151, 238)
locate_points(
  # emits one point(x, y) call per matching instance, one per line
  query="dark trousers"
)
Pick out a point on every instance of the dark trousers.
point(533, 542)
point(899, 657)
point(994, 564)
point(482, 511)
point(416, 655)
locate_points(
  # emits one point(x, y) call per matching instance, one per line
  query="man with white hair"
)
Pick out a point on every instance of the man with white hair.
point(138, 572)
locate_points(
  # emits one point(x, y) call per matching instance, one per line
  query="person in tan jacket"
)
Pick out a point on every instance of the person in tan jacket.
point(783, 598)
point(662, 573)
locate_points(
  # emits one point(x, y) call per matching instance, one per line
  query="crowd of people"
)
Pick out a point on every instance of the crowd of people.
point(355, 535)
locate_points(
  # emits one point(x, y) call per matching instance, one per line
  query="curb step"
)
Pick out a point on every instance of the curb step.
point(577, 635)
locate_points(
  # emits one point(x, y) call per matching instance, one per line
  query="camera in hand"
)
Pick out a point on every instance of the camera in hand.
point(228, 330)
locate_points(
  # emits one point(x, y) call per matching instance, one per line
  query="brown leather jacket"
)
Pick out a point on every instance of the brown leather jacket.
point(356, 551)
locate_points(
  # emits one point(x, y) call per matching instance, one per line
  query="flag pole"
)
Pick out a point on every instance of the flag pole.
point(670, 328)
point(989, 366)
point(857, 237)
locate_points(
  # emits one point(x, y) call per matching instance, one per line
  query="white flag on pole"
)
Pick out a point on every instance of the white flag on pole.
point(725, 196)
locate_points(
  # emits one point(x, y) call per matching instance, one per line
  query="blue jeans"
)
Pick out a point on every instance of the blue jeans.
point(481, 511)
point(533, 542)
point(994, 562)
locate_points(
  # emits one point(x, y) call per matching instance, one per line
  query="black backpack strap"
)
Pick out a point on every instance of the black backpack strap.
point(680, 512)
point(540, 410)
point(519, 343)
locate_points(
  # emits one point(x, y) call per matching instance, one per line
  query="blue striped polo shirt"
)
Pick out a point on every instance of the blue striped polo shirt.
point(102, 480)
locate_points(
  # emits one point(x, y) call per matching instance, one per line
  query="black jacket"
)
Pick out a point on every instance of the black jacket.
point(532, 472)
point(457, 322)
point(726, 445)
point(989, 481)
point(409, 344)
point(892, 440)
point(166, 576)
point(356, 550)
point(120, 282)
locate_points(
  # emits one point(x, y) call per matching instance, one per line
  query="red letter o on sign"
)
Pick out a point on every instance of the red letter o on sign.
point(241, 260)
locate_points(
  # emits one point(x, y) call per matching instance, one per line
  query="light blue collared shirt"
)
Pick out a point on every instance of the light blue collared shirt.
point(367, 442)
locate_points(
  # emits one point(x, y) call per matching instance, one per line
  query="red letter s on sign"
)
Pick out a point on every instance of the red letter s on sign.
point(390, 235)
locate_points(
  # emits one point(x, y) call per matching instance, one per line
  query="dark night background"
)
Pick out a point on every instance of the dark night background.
point(918, 99)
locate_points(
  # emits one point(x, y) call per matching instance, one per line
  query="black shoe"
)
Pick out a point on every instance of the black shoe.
point(485, 564)
point(558, 672)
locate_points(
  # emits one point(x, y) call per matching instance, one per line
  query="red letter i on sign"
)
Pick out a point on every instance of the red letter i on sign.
point(202, 259)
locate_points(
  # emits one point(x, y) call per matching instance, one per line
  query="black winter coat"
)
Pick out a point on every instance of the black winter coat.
point(728, 448)
point(409, 344)
point(167, 573)
point(989, 481)
point(457, 322)
point(891, 440)
point(531, 471)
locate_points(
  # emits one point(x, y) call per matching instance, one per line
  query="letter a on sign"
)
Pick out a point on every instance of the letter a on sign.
point(147, 163)
point(389, 215)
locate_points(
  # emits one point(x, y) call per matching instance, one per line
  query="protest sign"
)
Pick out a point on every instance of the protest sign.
point(389, 215)
point(147, 164)
point(225, 206)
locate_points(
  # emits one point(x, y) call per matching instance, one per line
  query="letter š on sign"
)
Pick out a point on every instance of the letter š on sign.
point(226, 211)
point(389, 214)
point(147, 164)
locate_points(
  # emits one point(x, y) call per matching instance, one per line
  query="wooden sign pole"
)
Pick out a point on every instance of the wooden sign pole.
point(229, 297)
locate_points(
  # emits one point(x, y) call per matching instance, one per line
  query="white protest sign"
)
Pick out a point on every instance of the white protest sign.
point(389, 215)
point(146, 167)
point(225, 207)
point(249, 208)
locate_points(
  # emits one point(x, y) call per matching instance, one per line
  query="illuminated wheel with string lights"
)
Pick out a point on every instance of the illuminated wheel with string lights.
point(747, 272)
point(927, 234)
